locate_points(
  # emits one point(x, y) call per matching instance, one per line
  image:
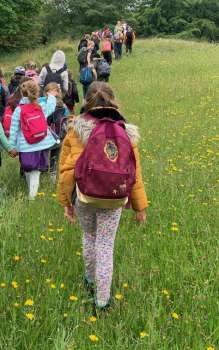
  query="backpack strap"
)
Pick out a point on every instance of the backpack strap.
point(60, 71)
point(48, 68)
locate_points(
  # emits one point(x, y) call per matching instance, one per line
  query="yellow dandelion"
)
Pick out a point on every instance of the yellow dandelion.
point(14, 284)
point(175, 316)
point(143, 334)
point(52, 286)
point(92, 319)
point(3, 285)
point(165, 292)
point(50, 239)
point(210, 348)
point(41, 194)
point(43, 261)
point(61, 229)
point(51, 229)
point(119, 296)
point(174, 229)
point(65, 315)
point(125, 285)
point(17, 258)
point(43, 237)
point(29, 316)
point(93, 338)
point(29, 302)
point(73, 298)
point(62, 286)
point(78, 253)
point(54, 195)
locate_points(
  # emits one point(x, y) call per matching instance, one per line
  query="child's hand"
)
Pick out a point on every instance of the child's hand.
point(70, 215)
point(141, 216)
point(13, 153)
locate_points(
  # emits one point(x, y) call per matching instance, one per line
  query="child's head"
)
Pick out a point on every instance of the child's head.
point(54, 87)
point(31, 90)
point(31, 65)
point(51, 87)
point(19, 71)
point(86, 36)
point(90, 45)
point(99, 94)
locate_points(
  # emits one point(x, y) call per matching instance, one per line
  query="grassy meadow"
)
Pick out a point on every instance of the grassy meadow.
point(165, 287)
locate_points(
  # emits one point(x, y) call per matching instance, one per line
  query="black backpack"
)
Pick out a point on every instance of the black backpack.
point(54, 77)
point(57, 122)
point(72, 95)
point(82, 56)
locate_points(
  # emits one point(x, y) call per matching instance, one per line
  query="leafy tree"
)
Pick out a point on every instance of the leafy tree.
point(19, 23)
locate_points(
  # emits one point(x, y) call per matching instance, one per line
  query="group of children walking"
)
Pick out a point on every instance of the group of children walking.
point(99, 165)
point(95, 52)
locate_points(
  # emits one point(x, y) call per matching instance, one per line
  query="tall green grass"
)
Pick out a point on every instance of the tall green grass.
point(166, 273)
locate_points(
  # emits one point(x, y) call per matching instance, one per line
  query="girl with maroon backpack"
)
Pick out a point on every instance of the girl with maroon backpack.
point(100, 170)
point(29, 133)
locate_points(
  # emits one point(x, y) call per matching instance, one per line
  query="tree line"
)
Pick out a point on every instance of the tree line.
point(31, 22)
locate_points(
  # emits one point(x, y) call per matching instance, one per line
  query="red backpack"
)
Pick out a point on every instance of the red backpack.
point(33, 123)
point(107, 167)
point(6, 121)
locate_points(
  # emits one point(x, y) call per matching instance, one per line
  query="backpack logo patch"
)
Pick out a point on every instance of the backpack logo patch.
point(111, 151)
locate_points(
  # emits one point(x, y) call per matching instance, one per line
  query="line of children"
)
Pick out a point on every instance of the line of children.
point(99, 216)
point(89, 58)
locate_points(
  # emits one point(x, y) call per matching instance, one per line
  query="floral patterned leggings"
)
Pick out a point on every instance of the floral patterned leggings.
point(99, 227)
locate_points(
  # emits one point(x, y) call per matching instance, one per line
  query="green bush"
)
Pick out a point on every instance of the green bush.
point(178, 25)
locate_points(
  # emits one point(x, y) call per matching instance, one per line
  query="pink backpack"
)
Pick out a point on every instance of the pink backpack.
point(107, 167)
point(106, 46)
point(33, 123)
point(6, 121)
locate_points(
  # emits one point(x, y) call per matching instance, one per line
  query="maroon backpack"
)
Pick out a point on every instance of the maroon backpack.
point(107, 167)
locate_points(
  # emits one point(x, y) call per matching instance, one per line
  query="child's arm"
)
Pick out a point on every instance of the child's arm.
point(71, 150)
point(4, 141)
point(50, 105)
point(138, 195)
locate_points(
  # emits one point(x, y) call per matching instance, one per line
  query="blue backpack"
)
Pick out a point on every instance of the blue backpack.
point(86, 76)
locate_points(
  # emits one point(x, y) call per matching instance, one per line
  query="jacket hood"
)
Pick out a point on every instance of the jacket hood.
point(85, 123)
point(58, 60)
point(103, 112)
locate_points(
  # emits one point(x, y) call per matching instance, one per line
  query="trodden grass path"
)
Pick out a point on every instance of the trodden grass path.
point(165, 288)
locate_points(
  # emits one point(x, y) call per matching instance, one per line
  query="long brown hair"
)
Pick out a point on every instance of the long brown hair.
point(99, 94)
point(31, 90)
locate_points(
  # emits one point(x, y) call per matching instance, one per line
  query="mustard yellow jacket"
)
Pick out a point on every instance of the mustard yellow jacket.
point(73, 146)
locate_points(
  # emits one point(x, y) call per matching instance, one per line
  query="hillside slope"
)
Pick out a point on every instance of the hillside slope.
point(166, 273)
